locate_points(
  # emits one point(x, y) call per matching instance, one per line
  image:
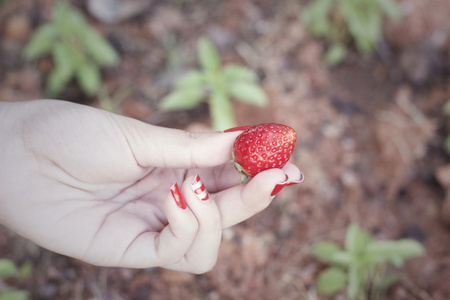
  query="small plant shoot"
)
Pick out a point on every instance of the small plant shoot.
point(9, 270)
point(344, 21)
point(216, 85)
point(361, 266)
point(77, 50)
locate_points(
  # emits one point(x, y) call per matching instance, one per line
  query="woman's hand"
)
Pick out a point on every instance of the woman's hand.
point(101, 187)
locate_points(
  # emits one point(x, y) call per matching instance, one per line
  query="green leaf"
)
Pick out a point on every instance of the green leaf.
point(88, 77)
point(390, 8)
point(64, 68)
point(7, 268)
point(66, 15)
point(62, 56)
point(192, 79)
point(373, 26)
point(221, 112)
point(25, 270)
point(63, 60)
point(75, 18)
point(315, 11)
point(356, 239)
point(56, 81)
point(342, 258)
point(11, 294)
point(238, 73)
point(331, 280)
point(316, 17)
point(99, 49)
point(60, 11)
point(355, 278)
point(446, 108)
point(382, 251)
point(207, 55)
point(248, 93)
point(41, 42)
point(355, 17)
point(324, 250)
point(335, 54)
point(364, 44)
point(182, 99)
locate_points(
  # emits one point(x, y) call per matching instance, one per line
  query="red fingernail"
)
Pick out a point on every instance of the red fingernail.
point(199, 189)
point(240, 128)
point(281, 185)
point(176, 194)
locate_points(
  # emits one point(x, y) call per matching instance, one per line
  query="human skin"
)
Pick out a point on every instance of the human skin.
point(96, 186)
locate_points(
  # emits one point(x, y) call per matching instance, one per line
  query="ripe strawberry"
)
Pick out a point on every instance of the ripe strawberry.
point(262, 147)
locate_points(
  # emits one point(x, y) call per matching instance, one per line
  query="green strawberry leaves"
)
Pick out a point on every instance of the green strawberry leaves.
point(216, 85)
point(362, 262)
point(76, 48)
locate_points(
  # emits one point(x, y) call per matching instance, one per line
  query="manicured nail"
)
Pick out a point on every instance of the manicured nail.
point(285, 183)
point(176, 194)
point(199, 189)
point(240, 128)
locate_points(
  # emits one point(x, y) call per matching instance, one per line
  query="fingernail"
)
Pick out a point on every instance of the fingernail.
point(240, 128)
point(285, 183)
point(199, 189)
point(176, 194)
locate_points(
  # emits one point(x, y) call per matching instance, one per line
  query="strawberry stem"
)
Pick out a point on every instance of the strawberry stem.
point(238, 167)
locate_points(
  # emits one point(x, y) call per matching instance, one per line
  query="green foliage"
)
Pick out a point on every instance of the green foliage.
point(8, 269)
point(78, 51)
point(339, 21)
point(216, 84)
point(361, 265)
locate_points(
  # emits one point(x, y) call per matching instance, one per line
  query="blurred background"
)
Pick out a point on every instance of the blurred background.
point(364, 83)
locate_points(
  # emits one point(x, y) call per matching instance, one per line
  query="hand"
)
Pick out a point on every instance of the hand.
point(96, 186)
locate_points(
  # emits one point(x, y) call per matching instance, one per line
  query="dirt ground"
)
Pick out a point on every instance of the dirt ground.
point(371, 134)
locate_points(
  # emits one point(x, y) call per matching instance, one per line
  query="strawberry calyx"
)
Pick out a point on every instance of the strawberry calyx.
point(240, 169)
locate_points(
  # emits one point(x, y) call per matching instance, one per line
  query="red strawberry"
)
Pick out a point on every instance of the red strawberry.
point(262, 147)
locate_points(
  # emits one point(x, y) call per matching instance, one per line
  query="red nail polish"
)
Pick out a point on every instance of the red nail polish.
point(240, 128)
point(281, 185)
point(176, 194)
point(199, 189)
point(277, 189)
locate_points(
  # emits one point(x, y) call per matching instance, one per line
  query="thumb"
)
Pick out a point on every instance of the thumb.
point(154, 146)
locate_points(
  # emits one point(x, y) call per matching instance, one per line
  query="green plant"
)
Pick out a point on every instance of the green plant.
point(362, 264)
point(76, 48)
point(338, 21)
point(219, 84)
point(8, 269)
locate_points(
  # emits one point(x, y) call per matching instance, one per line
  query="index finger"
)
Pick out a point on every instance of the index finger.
point(154, 146)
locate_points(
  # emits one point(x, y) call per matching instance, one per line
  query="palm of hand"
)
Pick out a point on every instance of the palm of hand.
point(87, 192)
